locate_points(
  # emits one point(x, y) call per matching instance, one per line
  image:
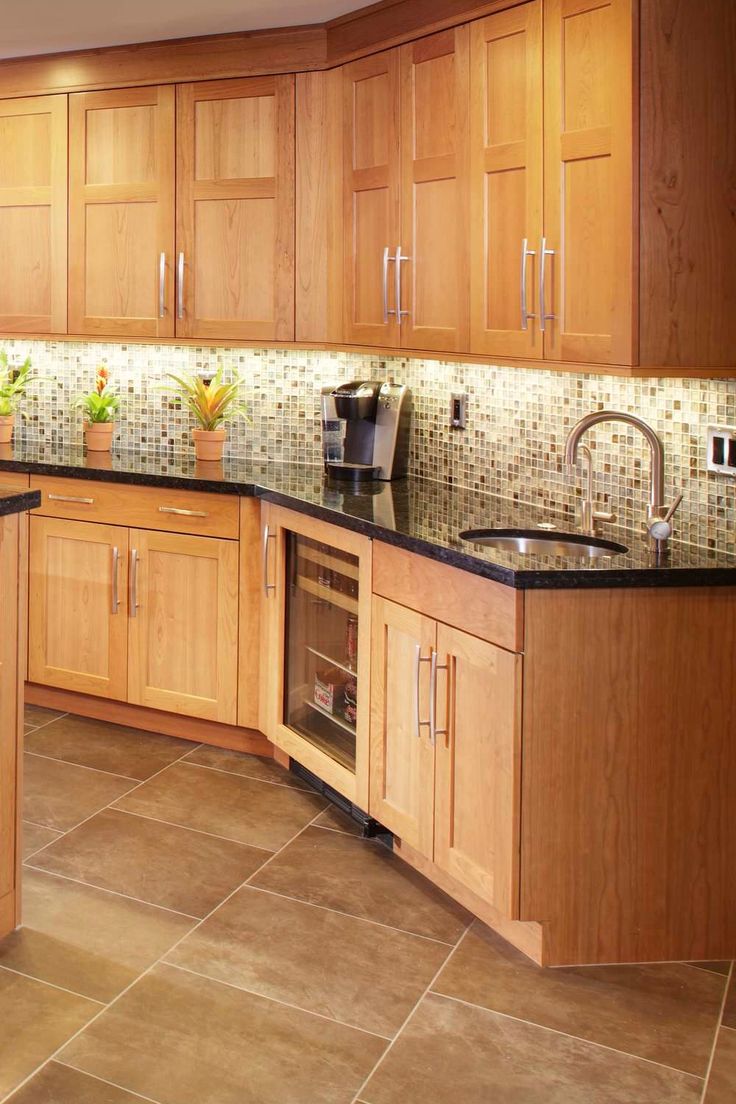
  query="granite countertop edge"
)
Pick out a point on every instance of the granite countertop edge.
point(17, 502)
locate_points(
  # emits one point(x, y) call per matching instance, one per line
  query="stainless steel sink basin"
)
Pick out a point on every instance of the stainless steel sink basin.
point(544, 542)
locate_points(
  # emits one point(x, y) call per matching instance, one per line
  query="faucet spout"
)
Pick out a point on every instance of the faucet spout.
point(656, 449)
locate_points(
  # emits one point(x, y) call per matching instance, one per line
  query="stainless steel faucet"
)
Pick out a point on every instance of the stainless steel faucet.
point(658, 515)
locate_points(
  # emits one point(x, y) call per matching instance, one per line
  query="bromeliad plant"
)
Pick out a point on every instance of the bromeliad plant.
point(212, 403)
point(13, 386)
point(99, 407)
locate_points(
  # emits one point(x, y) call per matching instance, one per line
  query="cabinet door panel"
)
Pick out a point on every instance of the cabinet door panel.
point(11, 584)
point(434, 207)
point(77, 632)
point(506, 180)
point(121, 212)
point(590, 153)
point(478, 767)
point(402, 756)
point(235, 206)
point(372, 197)
point(33, 201)
point(183, 621)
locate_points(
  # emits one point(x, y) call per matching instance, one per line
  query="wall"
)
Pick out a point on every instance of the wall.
point(513, 446)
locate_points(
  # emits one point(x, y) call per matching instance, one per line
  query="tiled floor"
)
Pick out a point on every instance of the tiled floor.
point(200, 928)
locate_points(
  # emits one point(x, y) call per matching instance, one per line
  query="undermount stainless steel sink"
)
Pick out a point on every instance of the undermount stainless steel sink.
point(544, 542)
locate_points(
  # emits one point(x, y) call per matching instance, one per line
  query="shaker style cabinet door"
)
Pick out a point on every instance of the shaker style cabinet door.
point(235, 209)
point(77, 617)
point(432, 268)
point(478, 767)
point(121, 212)
point(402, 756)
point(372, 183)
point(183, 624)
point(590, 153)
point(506, 181)
point(33, 214)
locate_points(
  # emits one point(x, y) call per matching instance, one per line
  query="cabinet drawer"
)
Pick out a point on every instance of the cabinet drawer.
point(171, 511)
point(16, 480)
point(492, 611)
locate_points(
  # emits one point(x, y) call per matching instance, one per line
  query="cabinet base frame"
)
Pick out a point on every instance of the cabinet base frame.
point(151, 720)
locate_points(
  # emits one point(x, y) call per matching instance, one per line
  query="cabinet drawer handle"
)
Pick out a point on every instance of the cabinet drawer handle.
point(434, 731)
point(400, 259)
point(419, 659)
point(134, 561)
point(181, 513)
point(70, 498)
point(162, 285)
point(267, 536)
point(544, 252)
point(115, 591)
point(386, 259)
point(180, 287)
point(526, 253)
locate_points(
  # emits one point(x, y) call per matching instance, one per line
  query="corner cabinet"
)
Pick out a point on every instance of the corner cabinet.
point(316, 621)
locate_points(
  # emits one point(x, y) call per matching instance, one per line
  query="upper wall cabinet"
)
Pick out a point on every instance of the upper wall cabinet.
point(33, 205)
point(121, 214)
point(235, 209)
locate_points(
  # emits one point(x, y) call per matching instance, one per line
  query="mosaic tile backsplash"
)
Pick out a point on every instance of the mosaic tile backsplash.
point(513, 446)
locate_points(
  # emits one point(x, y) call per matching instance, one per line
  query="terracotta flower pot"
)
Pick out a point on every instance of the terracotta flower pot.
point(209, 443)
point(98, 436)
point(7, 421)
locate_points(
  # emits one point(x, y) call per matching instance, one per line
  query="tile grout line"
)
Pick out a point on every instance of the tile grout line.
point(277, 1000)
point(51, 984)
point(364, 1084)
point(103, 1080)
point(140, 977)
point(112, 892)
point(186, 828)
point(186, 762)
point(81, 766)
point(567, 1035)
point(37, 728)
point(731, 978)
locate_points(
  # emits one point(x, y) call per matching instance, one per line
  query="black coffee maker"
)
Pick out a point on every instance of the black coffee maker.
point(365, 430)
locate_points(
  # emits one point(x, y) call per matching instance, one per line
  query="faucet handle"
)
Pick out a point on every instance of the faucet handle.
point(660, 526)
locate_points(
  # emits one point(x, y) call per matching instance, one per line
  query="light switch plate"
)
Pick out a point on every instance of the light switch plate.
point(458, 411)
point(721, 450)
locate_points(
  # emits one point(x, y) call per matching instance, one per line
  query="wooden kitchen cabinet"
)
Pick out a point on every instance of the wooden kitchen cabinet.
point(78, 625)
point(33, 215)
point(183, 624)
point(13, 588)
point(235, 209)
point(445, 750)
point(121, 212)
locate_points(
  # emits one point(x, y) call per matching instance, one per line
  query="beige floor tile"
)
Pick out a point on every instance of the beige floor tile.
point(58, 1084)
point(182, 1039)
point(107, 747)
point(666, 1013)
point(729, 1010)
point(348, 969)
point(58, 795)
point(452, 1052)
point(722, 1081)
point(713, 967)
point(35, 715)
point(92, 942)
point(227, 805)
point(153, 862)
point(35, 837)
point(338, 821)
point(36, 1020)
point(363, 878)
point(250, 766)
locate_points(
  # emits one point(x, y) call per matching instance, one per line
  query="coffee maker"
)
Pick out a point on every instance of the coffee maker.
point(365, 430)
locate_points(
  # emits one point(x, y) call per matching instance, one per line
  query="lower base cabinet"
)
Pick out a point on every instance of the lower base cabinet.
point(445, 749)
point(13, 536)
point(146, 617)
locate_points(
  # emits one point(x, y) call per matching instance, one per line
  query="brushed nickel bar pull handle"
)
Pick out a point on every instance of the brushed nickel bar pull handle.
point(115, 591)
point(162, 285)
point(400, 258)
point(386, 258)
point(544, 252)
point(134, 603)
point(419, 659)
point(180, 287)
point(525, 254)
point(267, 536)
point(182, 513)
point(434, 732)
point(71, 498)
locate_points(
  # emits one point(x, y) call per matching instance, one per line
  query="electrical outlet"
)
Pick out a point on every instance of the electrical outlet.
point(721, 446)
point(458, 411)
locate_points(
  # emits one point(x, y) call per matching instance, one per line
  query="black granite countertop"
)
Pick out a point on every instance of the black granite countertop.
point(420, 515)
point(15, 502)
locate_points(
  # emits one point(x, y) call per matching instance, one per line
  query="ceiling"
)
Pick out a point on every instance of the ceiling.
point(48, 26)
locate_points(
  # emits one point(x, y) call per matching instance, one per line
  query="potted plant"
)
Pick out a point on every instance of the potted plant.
point(13, 384)
point(100, 407)
point(212, 402)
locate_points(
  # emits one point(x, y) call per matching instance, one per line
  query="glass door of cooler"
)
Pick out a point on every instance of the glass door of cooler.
point(321, 684)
